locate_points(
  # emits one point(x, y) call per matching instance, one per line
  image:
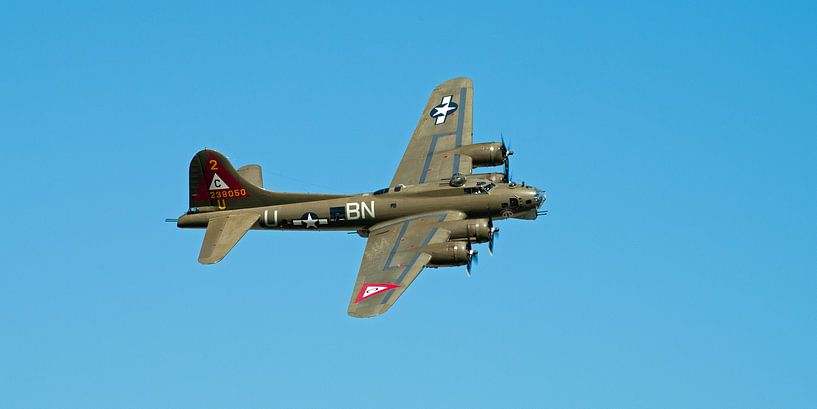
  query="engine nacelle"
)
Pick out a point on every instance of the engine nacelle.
point(448, 254)
point(484, 154)
point(475, 230)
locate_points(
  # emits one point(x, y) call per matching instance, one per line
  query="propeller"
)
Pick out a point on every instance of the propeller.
point(494, 233)
point(472, 258)
point(506, 153)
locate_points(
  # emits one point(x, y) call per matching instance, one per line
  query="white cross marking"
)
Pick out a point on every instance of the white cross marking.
point(441, 111)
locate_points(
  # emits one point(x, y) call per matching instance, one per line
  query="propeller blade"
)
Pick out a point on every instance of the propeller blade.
point(493, 230)
point(491, 239)
point(471, 257)
point(506, 147)
point(468, 258)
point(506, 153)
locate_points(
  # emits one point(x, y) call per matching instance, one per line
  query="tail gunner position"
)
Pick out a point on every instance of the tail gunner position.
point(434, 209)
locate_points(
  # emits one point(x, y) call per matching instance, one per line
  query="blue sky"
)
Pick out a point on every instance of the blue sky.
point(677, 144)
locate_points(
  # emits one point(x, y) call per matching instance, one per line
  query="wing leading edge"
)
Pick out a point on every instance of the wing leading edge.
point(393, 258)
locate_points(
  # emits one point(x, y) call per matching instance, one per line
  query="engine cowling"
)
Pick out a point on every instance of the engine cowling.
point(448, 254)
point(484, 154)
point(475, 230)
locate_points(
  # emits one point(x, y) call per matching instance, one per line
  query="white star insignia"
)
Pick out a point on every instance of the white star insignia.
point(310, 222)
point(443, 110)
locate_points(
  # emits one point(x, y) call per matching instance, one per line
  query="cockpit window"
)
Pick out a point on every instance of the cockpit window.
point(381, 191)
point(479, 190)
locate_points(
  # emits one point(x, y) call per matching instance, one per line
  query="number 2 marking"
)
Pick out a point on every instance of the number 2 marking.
point(213, 164)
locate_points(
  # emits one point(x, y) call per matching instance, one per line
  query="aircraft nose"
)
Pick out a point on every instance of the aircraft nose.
point(540, 197)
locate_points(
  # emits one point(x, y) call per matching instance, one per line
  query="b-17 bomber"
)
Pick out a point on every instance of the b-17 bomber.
point(432, 214)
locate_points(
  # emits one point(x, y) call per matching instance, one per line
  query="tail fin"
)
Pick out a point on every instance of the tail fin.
point(216, 185)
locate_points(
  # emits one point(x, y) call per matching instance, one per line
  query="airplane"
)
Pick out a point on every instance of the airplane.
point(431, 214)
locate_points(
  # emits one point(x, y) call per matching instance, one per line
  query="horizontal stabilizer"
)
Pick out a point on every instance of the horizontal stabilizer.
point(222, 235)
point(252, 173)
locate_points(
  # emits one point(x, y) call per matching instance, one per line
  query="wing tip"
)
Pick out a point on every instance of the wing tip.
point(209, 260)
point(366, 312)
point(457, 82)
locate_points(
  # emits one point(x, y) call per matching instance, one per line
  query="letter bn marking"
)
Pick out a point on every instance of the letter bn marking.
point(357, 211)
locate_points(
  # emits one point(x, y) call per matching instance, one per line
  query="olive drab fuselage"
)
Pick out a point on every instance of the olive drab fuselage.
point(361, 211)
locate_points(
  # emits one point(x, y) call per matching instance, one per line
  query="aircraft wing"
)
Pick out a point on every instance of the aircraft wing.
point(222, 234)
point(393, 258)
point(445, 124)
